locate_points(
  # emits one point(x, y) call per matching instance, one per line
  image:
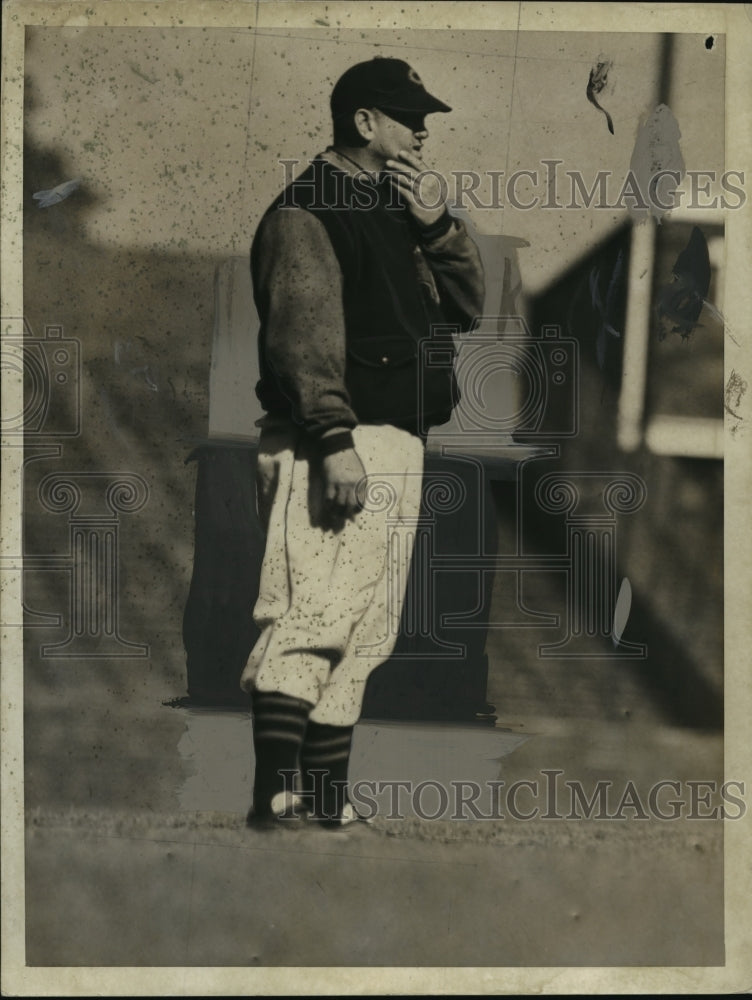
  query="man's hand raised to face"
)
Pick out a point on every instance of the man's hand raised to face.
point(423, 192)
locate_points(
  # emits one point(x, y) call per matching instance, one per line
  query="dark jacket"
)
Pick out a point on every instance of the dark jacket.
point(347, 285)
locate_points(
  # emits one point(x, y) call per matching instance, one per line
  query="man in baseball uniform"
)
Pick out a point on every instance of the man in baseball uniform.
point(354, 265)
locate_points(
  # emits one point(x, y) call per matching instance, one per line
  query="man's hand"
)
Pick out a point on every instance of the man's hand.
point(344, 482)
point(417, 194)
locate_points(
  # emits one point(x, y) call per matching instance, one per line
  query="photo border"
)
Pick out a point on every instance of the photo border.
point(735, 21)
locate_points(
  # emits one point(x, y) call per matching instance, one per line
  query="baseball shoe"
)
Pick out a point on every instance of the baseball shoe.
point(348, 818)
point(286, 811)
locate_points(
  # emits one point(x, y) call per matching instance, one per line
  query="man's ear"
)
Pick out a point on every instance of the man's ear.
point(364, 122)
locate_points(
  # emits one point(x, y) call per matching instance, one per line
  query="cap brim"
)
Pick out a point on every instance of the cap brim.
point(426, 103)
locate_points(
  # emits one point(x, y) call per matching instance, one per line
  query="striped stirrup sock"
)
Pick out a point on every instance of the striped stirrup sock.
point(279, 724)
point(324, 759)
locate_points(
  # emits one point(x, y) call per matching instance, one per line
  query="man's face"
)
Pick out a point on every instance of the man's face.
point(396, 130)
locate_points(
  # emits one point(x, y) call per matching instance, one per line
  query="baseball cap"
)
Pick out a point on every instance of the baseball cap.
point(387, 84)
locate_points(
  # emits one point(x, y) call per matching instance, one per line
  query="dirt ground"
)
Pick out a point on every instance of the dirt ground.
point(130, 863)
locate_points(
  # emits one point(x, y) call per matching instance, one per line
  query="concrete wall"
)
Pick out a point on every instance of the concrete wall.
point(176, 135)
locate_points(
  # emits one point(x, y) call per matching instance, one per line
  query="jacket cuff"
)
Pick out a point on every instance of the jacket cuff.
point(436, 229)
point(330, 444)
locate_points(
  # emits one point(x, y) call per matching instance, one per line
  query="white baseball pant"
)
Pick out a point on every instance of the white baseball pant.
point(330, 599)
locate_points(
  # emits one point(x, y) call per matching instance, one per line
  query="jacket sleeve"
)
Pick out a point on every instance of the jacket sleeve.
point(298, 290)
point(456, 266)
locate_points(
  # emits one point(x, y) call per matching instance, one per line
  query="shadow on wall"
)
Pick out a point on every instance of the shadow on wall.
point(134, 401)
point(671, 548)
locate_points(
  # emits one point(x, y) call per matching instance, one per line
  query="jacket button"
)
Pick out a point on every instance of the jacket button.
point(385, 360)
